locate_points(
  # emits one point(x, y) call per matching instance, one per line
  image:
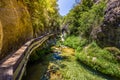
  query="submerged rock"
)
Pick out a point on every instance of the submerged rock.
point(56, 56)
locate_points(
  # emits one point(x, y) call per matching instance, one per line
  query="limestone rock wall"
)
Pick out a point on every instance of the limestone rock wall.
point(15, 26)
point(110, 29)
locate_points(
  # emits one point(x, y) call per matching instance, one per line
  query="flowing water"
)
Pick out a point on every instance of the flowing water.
point(62, 65)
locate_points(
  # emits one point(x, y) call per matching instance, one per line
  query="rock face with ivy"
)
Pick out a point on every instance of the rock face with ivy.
point(15, 26)
point(21, 20)
point(110, 28)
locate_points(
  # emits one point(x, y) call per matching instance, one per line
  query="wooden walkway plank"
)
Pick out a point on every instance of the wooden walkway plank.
point(13, 67)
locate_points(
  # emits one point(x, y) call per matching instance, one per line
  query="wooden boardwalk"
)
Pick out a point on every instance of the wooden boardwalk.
point(14, 65)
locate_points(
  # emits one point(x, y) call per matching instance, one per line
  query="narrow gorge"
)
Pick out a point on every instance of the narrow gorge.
point(39, 41)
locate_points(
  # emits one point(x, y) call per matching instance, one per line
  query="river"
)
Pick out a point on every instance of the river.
point(62, 65)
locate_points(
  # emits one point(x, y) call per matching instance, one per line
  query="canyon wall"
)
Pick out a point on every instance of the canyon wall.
point(109, 31)
point(15, 26)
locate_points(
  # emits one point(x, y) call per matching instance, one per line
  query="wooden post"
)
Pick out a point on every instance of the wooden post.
point(6, 73)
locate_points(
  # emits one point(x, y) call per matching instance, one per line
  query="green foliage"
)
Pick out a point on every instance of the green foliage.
point(87, 4)
point(73, 17)
point(103, 60)
point(85, 16)
point(44, 15)
point(75, 42)
point(91, 19)
point(39, 54)
point(75, 71)
point(99, 59)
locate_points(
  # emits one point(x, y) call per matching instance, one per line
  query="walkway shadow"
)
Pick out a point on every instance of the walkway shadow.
point(35, 71)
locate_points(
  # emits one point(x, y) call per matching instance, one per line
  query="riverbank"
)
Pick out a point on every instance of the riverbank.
point(62, 65)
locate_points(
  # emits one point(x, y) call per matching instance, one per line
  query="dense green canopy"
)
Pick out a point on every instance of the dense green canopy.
point(44, 15)
point(85, 16)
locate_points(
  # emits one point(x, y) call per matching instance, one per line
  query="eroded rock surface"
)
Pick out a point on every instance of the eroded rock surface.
point(109, 34)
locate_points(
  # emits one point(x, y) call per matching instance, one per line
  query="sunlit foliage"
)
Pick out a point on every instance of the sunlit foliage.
point(44, 15)
point(83, 19)
point(84, 16)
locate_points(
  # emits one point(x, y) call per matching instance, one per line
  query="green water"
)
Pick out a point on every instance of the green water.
point(67, 68)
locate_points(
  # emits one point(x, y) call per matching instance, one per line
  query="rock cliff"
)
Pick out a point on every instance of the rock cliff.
point(109, 34)
point(15, 26)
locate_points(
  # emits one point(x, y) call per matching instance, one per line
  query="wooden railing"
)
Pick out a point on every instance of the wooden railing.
point(13, 66)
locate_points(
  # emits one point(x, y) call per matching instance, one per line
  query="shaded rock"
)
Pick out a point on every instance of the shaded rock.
point(109, 35)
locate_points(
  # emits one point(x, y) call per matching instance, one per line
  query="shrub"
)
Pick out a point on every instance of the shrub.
point(39, 54)
point(75, 42)
point(91, 19)
point(99, 59)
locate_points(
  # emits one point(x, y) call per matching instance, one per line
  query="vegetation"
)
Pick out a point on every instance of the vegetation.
point(15, 26)
point(67, 68)
point(103, 60)
point(99, 59)
point(75, 42)
point(71, 69)
point(91, 19)
point(84, 22)
point(85, 18)
point(44, 15)
point(22, 20)
point(38, 54)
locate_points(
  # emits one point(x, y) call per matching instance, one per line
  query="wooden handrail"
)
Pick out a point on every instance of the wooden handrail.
point(13, 67)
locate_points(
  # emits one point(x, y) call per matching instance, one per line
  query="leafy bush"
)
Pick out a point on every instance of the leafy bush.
point(99, 59)
point(85, 16)
point(91, 18)
point(44, 15)
point(39, 54)
point(75, 42)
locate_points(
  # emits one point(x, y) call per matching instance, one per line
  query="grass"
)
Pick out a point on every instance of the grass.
point(103, 60)
point(99, 59)
point(71, 69)
point(75, 42)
